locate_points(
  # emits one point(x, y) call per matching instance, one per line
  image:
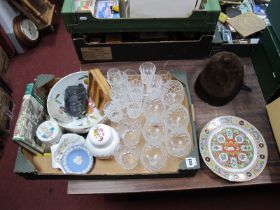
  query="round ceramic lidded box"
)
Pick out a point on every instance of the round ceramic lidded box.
point(48, 133)
point(102, 141)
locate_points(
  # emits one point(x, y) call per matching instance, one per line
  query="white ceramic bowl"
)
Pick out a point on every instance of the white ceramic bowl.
point(56, 109)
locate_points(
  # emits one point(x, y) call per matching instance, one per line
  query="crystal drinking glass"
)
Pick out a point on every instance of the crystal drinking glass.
point(154, 109)
point(135, 90)
point(113, 111)
point(134, 109)
point(177, 118)
point(130, 132)
point(179, 144)
point(120, 95)
point(127, 156)
point(132, 74)
point(165, 75)
point(173, 92)
point(116, 78)
point(114, 75)
point(154, 90)
point(153, 157)
point(147, 71)
point(155, 132)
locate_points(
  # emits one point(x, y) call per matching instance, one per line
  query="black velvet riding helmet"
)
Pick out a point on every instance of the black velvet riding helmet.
point(221, 79)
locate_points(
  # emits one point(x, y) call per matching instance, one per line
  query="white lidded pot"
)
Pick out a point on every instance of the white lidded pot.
point(102, 141)
point(49, 133)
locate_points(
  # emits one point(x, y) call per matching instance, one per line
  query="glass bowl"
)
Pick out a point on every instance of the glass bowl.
point(127, 156)
point(154, 132)
point(153, 157)
point(130, 132)
point(179, 144)
point(154, 109)
point(173, 92)
point(177, 118)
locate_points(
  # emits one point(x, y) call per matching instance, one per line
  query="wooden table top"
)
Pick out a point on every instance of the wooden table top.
point(247, 105)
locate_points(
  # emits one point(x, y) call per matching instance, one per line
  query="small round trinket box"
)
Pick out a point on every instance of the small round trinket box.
point(48, 133)
point(102, 141)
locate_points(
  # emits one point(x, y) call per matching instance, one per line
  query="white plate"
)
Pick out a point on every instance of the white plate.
point(233, 148)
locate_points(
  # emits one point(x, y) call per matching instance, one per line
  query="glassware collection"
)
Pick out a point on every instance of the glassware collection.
point(149, 105)
point(147, 121)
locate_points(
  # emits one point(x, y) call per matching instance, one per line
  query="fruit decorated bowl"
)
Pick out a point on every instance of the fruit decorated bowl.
point(57, 110)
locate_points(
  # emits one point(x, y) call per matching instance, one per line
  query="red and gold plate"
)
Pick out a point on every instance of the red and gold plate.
point(233, 148)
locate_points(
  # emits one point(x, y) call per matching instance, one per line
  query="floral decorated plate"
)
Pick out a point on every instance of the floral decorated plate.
point(77, 160)
point(59, 149)
point(56, 105)
point(233, 148)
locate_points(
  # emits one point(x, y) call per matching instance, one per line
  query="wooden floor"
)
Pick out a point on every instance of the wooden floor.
point(247, 105)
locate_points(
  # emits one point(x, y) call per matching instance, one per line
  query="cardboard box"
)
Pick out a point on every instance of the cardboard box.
point(83, 22)
point(129, 47)
point(39, 166)
point(274, 118)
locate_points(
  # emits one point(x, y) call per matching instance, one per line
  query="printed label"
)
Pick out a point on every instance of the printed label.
point(191, 162)
point(96, 53)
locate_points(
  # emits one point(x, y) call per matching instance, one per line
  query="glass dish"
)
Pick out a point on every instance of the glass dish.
point(173, 92)
point(130, 132)
point(154, 132)
point(127, 156)
point(177, 118)
point(153, 157)
point(154, 109)
point(179, 144)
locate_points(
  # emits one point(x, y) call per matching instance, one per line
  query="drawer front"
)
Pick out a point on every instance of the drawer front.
point(133, 51)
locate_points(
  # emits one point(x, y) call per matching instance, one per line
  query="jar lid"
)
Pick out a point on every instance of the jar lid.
point(100, 135)
point(47, 131)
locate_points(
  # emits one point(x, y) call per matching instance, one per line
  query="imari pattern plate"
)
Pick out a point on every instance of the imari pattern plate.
point(233, 148)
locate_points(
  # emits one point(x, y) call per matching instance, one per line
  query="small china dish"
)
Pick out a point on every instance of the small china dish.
point(65, 141)
point(77, 160)
point(102, 141)
point(56, 105)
